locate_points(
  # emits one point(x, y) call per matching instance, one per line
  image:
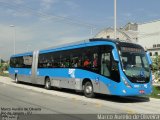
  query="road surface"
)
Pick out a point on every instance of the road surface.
point(30, 99)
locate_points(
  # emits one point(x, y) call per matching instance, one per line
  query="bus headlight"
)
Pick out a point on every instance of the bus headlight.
point(126, 83)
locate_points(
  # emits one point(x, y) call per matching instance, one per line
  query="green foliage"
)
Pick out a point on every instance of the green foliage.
point(156, 63)
point(156, 92)
point(3, 66)
point(4, 74)
point(2, 61)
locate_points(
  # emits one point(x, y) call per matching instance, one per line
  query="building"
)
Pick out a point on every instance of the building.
point(145, 34)
point(149, 36)
point(121, 33)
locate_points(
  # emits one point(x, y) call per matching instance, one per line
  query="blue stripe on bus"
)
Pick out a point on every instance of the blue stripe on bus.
point(114, 87)
point(20, 71)
point(22, 54)
point(78, 46)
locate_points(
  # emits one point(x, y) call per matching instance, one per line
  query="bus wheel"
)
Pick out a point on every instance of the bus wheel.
point(88, 90)
point(16, 79)
point(47, 84)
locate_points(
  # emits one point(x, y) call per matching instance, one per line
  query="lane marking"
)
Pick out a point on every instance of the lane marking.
point(130, 111)
point(98, 105)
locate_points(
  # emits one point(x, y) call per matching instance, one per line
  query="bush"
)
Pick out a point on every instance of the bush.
point(4, 67)
point(156, 63)
point(156, 92)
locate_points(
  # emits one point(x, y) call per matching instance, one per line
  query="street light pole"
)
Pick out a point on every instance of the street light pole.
point(14, 39)
point(91, 32)
point(115, 19)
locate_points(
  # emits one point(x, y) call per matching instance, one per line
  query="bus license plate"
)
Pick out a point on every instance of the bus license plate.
point(141, 91)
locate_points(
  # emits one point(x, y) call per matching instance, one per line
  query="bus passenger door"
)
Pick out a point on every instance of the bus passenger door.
point(105, 71)
point(34, 67)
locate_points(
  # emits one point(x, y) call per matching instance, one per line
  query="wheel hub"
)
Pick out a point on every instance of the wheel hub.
point(88, 89)
point(48, 84)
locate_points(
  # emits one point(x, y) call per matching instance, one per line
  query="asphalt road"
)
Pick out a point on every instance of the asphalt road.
point(36, 102)
point(14, 99)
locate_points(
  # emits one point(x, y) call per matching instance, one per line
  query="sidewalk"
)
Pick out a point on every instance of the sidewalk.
point(9, 81)
point(156, 84)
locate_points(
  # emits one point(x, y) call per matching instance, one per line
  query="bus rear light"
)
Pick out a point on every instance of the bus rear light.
point(141, 92)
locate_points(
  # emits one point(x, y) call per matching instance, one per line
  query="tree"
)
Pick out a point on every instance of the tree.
point(4, 66)
point(156, 67)
point(156, 63)
point(2, 61)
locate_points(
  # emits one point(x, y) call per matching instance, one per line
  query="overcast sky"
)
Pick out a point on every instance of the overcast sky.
point(40, 24)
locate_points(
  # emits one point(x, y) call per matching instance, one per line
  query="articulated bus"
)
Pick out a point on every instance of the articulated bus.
point(92, 66)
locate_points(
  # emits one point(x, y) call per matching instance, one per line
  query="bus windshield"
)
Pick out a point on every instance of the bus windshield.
point(135, 65)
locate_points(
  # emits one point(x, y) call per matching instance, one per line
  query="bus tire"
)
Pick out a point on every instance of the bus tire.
point(88, 90)
point(47, 84)
point(16, 79)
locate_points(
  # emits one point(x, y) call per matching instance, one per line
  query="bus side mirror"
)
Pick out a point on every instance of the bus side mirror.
point(115, 55)
point(149, 58)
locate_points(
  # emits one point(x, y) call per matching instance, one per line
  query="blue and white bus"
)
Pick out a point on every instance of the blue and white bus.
point(91, 66)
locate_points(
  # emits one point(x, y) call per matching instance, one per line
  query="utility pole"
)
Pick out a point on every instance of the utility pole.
point(91, 32)
point(115, 19)
point(14, 38)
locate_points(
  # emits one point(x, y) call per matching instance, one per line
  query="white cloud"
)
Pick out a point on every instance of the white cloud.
point(37, 36)
point(127, 14)
point(141, 10)
point(7, 36)
point(22, 14)
point(13, 1)
point(46, 4)
point(19, 1)
point(71, 4)
point(15, 9)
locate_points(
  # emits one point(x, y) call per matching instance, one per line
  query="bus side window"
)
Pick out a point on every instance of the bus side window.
point(105, 64)
point(95, 60)
point(90, 59)
point(87, 56)
point(87, 63)
point(76, 58)
point(95, 63)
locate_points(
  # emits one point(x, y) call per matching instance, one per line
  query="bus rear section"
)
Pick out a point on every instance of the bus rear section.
point(20, 68)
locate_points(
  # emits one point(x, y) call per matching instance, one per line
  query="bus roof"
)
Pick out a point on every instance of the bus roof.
point(22, 54)
point(82, 42)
